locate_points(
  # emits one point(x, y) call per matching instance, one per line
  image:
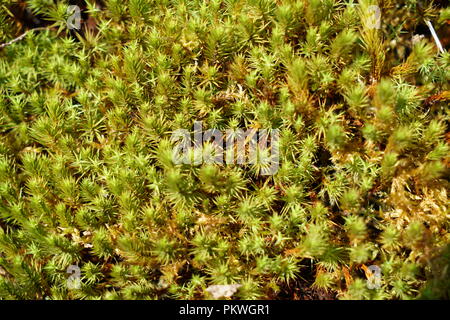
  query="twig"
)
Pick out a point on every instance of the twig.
point(435, 37)
point(21, 37)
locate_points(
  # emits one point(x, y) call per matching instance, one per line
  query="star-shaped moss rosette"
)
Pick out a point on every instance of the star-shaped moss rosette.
point(357, 208)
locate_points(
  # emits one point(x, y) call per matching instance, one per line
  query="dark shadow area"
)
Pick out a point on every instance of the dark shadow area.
point(438, 284)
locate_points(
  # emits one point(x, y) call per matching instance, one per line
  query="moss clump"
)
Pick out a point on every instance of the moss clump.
point(87, 179)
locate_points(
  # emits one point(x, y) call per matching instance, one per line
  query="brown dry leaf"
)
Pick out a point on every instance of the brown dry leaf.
point(292, 252)
point(170, 273)
point(347, 276)
point(367, 272)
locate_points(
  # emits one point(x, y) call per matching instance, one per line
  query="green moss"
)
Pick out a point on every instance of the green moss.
point(86, 171)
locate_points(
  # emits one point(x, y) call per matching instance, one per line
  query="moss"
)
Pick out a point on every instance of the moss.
point(89, 188)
